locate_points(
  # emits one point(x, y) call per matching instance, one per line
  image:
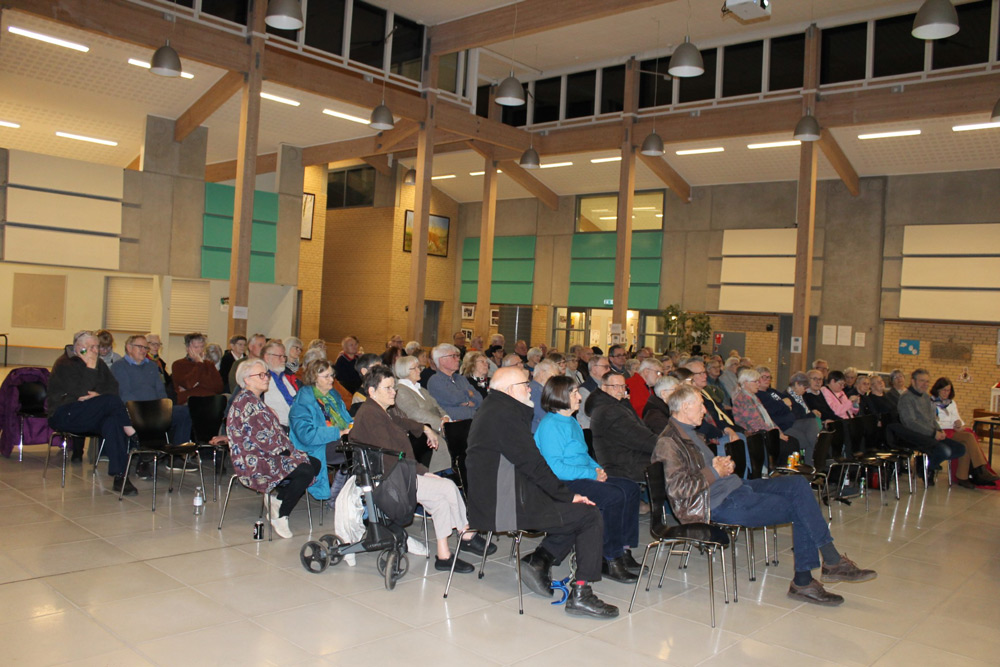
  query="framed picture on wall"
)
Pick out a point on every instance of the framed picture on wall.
point(468, 334)
point(437, 234)
point(308, 206)
point(468, 312)
point(495, 317)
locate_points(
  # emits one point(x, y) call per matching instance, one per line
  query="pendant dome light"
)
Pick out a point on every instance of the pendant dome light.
point(284, 14)
point(510, 92)
point(529, 159)
point(807, 129)
point(382, 119)
point(686, 60)
point(653, 145)
point(936, 19)
point(410, 177)
point(166, 62)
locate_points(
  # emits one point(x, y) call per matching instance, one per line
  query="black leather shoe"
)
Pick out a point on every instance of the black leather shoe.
point(615, 570)
point(982, 476)
point(966, 484)
point(583, 602)
point(477, 544)
point(630, 563)
point(144, 470)
point(444, 565)
point(536, 572)
point(930, 477)
point(121, 481)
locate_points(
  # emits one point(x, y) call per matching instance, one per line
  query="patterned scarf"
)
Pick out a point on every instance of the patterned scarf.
point(328, 404)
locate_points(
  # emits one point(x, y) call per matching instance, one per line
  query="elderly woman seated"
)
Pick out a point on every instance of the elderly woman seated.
point(416, 403)
point(318, 419)
point(380, 423)
point(263, 457)
point(751, 415)
point(804, 427)
point(561, 443)
point(946, 409)
point(476, 369)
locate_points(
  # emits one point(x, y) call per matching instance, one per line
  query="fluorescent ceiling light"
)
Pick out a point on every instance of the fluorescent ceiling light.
point(7, 123)
point(80, 137)
point(49, 40)
point(774, 144)
point(699, 151)
point(976, 126)
point(275, 98)
point(143, 64)
point(598, 160)
point(609, 217)
point(441, 178)
point(888, 135)
point(345, 116)
point(643, 208)
point(659, 215)
point(482, 173)
point(553, 165)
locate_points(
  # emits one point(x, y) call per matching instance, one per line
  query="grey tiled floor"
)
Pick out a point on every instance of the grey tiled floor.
point(88, 580)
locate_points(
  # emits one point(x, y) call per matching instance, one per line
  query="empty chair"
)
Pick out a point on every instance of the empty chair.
point(207, 416)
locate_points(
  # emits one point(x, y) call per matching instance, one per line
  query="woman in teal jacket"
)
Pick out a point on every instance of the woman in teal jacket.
point(318, 417)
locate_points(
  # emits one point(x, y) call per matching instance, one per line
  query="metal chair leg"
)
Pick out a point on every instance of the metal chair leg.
point(225, 504)
point(711, 583)
point(451, 572)
point(309, 511)
point(427, 541)
point(270, 528)
point(751, 552)
point(638, 581)
point(482, 565)
point(725, 580)
point(156, 462)
point(520, 595)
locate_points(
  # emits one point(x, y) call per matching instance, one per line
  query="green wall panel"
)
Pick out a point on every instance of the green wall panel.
point(644, 297)
point(513, 269)
point(265, 206)
point(518, 293)
point(219, 199)
point(590, 296)
point(217, 233)
point(468, 292)
point(264, 237)
point(215, 264)
point(646, 271)
point(261, 268)
point(592, 270)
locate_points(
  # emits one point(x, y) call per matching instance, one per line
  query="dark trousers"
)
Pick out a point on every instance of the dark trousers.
point(104, 414)
point(618, 500)
point(180, 425)
point(768, 502)
point(291, 488)
point(938, 451)
point(582, 527)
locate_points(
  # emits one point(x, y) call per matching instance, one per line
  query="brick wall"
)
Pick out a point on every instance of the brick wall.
point(311, 256)
point(982, 369)
point(762, 345)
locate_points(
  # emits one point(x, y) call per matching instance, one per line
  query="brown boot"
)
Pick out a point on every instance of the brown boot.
point(814, 593)
point(846, 570)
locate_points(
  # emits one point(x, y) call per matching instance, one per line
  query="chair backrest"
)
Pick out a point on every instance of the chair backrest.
point(737, 453)
point(774, 447)
point(151, 419)
point(757, 444)
point(822, 450)
point(456, 434)
point(207, 416)
point(31, 397)
point(657, 484)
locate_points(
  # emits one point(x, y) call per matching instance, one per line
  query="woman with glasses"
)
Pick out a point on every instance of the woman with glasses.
point(750, 414)
point(416, 403)
point(476, 369)
point(560, 440)
point(263, 457)
point(318, 419)
point(379, 422)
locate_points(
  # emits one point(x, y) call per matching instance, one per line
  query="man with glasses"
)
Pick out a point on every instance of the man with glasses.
point(597, 368)
point(641, 384)
point(155, 345)
point(283, 386)
point(451, 389)
point(194, 375)
point(718, 425)
point(618, 357)
point(622, 442)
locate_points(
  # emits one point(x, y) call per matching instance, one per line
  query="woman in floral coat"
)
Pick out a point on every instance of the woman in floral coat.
point(263, 456)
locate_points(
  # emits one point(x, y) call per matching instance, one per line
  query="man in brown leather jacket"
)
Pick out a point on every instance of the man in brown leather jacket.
point(703, 488)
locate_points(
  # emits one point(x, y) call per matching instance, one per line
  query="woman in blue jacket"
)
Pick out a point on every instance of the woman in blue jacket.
point(560, 440)
point(317, 419)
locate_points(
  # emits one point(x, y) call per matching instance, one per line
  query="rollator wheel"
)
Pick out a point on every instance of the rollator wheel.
point(388, 568)
point(314, 557)
point(332, 543)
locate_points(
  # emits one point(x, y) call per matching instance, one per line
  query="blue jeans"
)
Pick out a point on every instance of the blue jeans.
point(767, 502)
point(618, 500)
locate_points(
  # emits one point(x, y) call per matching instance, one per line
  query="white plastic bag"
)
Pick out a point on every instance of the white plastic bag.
point(348, 515)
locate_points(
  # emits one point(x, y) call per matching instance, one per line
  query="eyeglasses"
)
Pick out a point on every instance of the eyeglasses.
point(616, 387)
point(276, 356)
point(140, 347)
point(617, 355)
point(765, 377)
point(450, 355)
point(526, 382)
point(325, 376)
point(391, 388)
point(260, 376)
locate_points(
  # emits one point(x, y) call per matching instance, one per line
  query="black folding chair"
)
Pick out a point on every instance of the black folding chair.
point(208, 414)
point(456, 434)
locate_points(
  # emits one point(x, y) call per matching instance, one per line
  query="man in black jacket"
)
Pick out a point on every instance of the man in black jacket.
point(622, 442)
point(511, 487)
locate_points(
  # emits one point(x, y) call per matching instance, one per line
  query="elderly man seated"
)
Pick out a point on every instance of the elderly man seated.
point(623, 443)
point(641, 384)
point(543, 371)
point(450, 388)
point(194, 375)
point(511, 487)
point(702, 488)
point(281, 390)
point(918, 428)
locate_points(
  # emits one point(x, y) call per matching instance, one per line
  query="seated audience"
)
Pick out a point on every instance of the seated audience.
point(850, 379)
point(702, 487)
point(840, 403)
point(751, 415)
point(363, 364)
point(543, 371)
point(897, 386)
point(154, 354)
point(512, 360)
point(194, 375)
point(494, 354)
point(263, 457)
point(597, 368)
point(106, 347)
point(804, 429)
point(427, 367)
point(918, 428)
point(656, 414)
point(449, 387)
point(293, 350)
point(560, 440)
point(728, 377)
point(823, 367)
point(943, 395)
point(412, 348)
point(283, 386)
point(877, 402)
point(255, 344)
point(83, 398)
point(318, 419)
point(714, 385)
point(632, 367)
point(236, 352)
point(532, 358)
point(718, 427)
point(416, 403)
point(623, 443)
point(476, 344)
point(347, 374)
point(458, 340)
point(390, 355)
point(511, 487)
point(617, 357)
point(318, 344)
point(583, 355)
point(815, 400)
point(378, 422)
point(476, 369)
point(214, 354)
point(640, 384)
point(521, 350)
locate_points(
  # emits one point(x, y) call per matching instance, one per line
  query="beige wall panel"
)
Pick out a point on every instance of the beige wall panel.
point(754, 299)
point(948, 305)
point(64, 211)
point(952, 239)
point(40, 246)
point(769, 271)
point(951, 272)
point(56, 173)
point(756, 242)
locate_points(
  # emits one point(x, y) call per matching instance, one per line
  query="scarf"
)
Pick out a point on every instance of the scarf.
point(328, 404)
point(279, 382)
point(798, 399)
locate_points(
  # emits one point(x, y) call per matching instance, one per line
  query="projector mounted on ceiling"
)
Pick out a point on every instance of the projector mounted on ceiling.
point(748, 10)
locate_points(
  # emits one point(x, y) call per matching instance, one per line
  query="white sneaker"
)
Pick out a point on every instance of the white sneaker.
point(280, 527)
point(275, 505)
point(415, 547)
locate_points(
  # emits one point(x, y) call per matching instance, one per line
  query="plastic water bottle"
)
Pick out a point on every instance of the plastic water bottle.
point(199, 501)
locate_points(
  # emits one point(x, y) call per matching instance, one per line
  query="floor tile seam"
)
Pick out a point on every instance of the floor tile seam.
point(784, 612)
point(917, 638)
point(254, 620)
point(179, 635)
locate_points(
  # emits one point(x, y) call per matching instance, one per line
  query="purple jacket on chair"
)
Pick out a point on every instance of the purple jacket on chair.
point(35, 430)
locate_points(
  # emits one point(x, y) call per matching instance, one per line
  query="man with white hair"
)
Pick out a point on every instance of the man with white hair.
point(511, 487)
point(543, 371)
point(583, 355)
point(282, 388)
point(598, 367)
point(640, 385)
point(728, 376)
point(450, 388)
point(532, 358)
point(344, 368)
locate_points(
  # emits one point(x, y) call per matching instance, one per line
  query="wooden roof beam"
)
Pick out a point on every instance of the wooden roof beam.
point(833, 152)
point(380, 163)
point(674, 181)
point(226, 171)
point(520, 175)
point(207, 104)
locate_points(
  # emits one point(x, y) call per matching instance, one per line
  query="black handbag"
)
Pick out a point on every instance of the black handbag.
point(396, 495)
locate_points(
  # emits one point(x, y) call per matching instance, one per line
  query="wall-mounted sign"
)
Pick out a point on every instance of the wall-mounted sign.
point(910, 347)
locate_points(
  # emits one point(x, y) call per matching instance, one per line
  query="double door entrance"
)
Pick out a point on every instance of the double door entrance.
point(592, 326)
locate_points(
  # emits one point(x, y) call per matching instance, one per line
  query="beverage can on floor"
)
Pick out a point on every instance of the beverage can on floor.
point(258, 530)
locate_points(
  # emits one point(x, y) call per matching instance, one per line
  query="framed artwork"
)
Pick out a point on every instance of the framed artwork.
point(437, 234)
point(308, 206)
point(468, 312)
point(495, 317)
point(468, 334)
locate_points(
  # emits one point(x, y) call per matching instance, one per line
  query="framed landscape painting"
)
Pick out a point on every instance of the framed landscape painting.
point(437, 235)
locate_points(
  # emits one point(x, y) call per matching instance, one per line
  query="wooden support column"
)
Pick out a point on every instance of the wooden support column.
point(626, 195)
point(805, 214)
point(246, 174)
point(486, 230)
